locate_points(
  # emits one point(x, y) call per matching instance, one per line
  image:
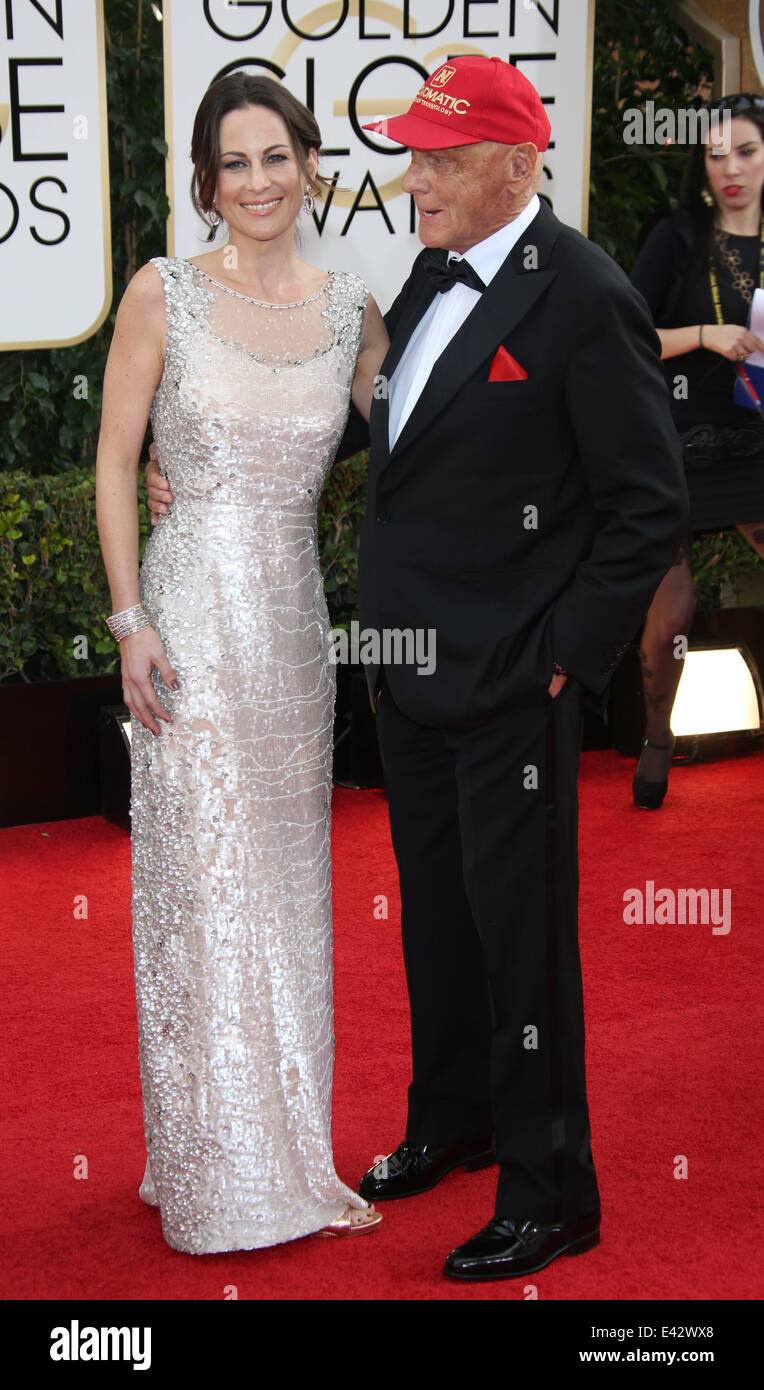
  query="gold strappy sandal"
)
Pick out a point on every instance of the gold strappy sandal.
point(354, 1221)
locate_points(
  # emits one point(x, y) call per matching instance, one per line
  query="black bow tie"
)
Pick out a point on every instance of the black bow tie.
point(447, 273)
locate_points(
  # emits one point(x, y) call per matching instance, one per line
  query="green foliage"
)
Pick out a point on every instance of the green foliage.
point(641, 54)
point(720, 558)
point(340, 514)
point(49, 423)
point(53, 588)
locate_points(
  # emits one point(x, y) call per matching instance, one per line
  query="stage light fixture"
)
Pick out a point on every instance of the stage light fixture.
point(719, 696)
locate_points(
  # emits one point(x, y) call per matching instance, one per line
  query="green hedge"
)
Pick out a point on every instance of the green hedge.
point(53, 588)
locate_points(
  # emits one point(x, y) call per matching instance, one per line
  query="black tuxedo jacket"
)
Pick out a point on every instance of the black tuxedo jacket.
point(525, 521)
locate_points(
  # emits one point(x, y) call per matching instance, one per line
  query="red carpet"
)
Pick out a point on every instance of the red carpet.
point(674, 1029)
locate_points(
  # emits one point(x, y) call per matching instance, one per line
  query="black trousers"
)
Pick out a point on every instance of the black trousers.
point(485, 831)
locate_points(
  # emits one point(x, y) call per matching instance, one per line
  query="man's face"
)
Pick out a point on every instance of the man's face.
point(461, 194)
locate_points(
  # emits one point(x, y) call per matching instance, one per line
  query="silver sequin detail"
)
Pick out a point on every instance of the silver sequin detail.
point(231, 803)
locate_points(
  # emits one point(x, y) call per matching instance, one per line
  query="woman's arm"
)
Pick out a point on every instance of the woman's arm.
point(133, 371)
point(656, 270)
point(374, 345)
point(675, 341)
point(731, 340)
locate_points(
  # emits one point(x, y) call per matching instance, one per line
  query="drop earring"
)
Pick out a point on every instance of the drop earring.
point(215, 218)
point(708, 197)
point(308, 201)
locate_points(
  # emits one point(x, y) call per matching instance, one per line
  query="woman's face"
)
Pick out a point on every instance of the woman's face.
point(736, 178)
point(260, 185)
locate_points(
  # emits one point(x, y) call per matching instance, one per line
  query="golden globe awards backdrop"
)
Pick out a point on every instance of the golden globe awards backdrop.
point(55, 234)
point(756, 31)
point(353, 60)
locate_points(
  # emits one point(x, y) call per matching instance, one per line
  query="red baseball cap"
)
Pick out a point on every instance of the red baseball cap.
point(467, 100)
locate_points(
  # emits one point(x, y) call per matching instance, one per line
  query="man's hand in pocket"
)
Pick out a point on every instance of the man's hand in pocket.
point(157, 486)
point(555, 686)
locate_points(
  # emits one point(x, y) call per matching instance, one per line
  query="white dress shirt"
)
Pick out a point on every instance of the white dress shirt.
point(445, 316)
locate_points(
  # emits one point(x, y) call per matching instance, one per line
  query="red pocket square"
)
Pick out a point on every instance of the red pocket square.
point(506, 368)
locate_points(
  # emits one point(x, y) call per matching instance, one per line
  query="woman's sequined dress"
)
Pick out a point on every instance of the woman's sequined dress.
point(231, 871)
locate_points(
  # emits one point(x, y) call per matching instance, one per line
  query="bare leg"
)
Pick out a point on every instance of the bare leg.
point(753, 532)
point(669, 617)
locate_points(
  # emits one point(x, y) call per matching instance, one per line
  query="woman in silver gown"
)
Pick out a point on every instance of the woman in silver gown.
point(244, 359)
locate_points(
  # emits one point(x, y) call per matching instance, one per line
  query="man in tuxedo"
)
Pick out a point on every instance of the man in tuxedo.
point(525, 498)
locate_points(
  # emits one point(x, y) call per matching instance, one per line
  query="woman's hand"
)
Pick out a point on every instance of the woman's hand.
point(374, 345)
point(731, 340)
point(139, 652)
point(159, 490)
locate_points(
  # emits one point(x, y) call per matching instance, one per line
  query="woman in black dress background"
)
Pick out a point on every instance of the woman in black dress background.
point(697, 269)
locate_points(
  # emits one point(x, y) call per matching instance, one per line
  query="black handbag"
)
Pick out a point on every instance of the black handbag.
point(703, 445)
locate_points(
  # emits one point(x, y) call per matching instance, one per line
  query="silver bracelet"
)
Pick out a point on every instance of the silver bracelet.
point(127, 622)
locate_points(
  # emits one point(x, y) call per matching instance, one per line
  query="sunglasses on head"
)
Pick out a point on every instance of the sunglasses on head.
point(742, 101)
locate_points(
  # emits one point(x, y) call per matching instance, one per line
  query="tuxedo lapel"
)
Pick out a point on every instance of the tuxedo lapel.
point(507, 299)
point(423, 291)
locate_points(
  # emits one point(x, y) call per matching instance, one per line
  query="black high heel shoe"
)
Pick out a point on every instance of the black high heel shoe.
point(648, 796)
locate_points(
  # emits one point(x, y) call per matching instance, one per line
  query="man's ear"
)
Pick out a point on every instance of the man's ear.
point(521, 163)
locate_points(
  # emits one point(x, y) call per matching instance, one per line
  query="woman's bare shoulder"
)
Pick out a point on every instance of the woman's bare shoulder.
point(142, 307)
point(146, 286)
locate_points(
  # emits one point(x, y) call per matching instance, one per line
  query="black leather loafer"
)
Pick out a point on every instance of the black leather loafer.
point(509, 1246)
point(415, 1168)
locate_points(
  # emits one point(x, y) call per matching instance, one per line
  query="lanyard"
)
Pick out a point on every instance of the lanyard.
point(715, 284)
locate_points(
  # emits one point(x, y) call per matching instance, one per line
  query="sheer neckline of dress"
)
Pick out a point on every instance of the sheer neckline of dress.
point(266, 303)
